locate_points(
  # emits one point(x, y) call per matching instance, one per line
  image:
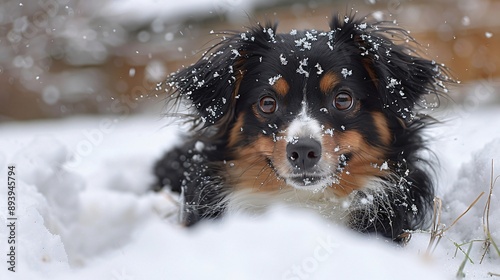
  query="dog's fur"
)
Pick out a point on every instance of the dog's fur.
point(321, 120)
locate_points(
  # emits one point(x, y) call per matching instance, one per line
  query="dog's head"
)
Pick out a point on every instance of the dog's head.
point(308, 109)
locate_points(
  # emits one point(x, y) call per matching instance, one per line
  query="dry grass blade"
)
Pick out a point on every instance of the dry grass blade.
point(493, 274)
point(465, 212)
point(438, 229)
point(486, 216)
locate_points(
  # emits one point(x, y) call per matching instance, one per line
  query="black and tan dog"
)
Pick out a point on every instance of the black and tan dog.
point(321, 120)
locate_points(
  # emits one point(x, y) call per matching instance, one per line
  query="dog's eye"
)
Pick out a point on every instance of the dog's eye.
point(268, 104)
point(343, 101)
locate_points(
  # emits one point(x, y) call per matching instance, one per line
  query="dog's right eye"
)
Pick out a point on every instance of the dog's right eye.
point(268, 105)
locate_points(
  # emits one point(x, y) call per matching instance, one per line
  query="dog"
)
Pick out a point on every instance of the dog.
point(323, 120)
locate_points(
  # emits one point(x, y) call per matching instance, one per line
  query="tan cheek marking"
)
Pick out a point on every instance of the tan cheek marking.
point(328, 82)
point(281, 86)
point(251, 169)
point(382, 127)
point(364, 163)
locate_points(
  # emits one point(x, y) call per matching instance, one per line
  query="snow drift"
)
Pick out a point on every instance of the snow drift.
point(85, 212)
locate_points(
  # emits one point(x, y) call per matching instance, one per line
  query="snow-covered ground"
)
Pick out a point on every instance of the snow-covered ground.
point(84, 211)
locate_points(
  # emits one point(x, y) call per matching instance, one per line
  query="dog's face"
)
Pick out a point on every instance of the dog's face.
point(309, 110)
point(310, 118)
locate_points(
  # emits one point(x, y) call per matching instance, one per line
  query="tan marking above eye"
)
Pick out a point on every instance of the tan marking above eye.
point(281, 86)
point(328, 82)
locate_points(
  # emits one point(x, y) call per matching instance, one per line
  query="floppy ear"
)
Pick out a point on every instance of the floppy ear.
point(212, 83)
point(401, 76)
point(404, 78)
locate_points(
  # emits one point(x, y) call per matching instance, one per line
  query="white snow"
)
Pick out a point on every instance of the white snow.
point(84, 212)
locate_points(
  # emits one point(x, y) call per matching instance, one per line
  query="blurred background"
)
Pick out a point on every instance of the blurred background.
point(61, 58)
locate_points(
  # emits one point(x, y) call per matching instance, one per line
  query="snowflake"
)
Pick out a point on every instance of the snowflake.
point(283, 59)
point(346, 72)
point(414, 208)
point(235, 52)
point(301, 70)
point(273, 80)
point(270, 31)
point(303, 43)
point(384, 166)
point(320, 70)
point(393, 83)
point(310, 36)
point(330, 45)
point(329, 131)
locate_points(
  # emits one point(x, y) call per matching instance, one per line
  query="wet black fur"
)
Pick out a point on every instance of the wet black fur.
point(196, 172)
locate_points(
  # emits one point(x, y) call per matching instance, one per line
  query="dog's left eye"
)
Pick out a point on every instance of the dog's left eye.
point(343, 101)
point(268, 104)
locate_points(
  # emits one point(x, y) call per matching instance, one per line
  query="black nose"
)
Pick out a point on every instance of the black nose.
point(303, 154)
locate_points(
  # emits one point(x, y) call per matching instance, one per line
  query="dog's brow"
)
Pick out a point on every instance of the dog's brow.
point(328, 82)
point(281, 86)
